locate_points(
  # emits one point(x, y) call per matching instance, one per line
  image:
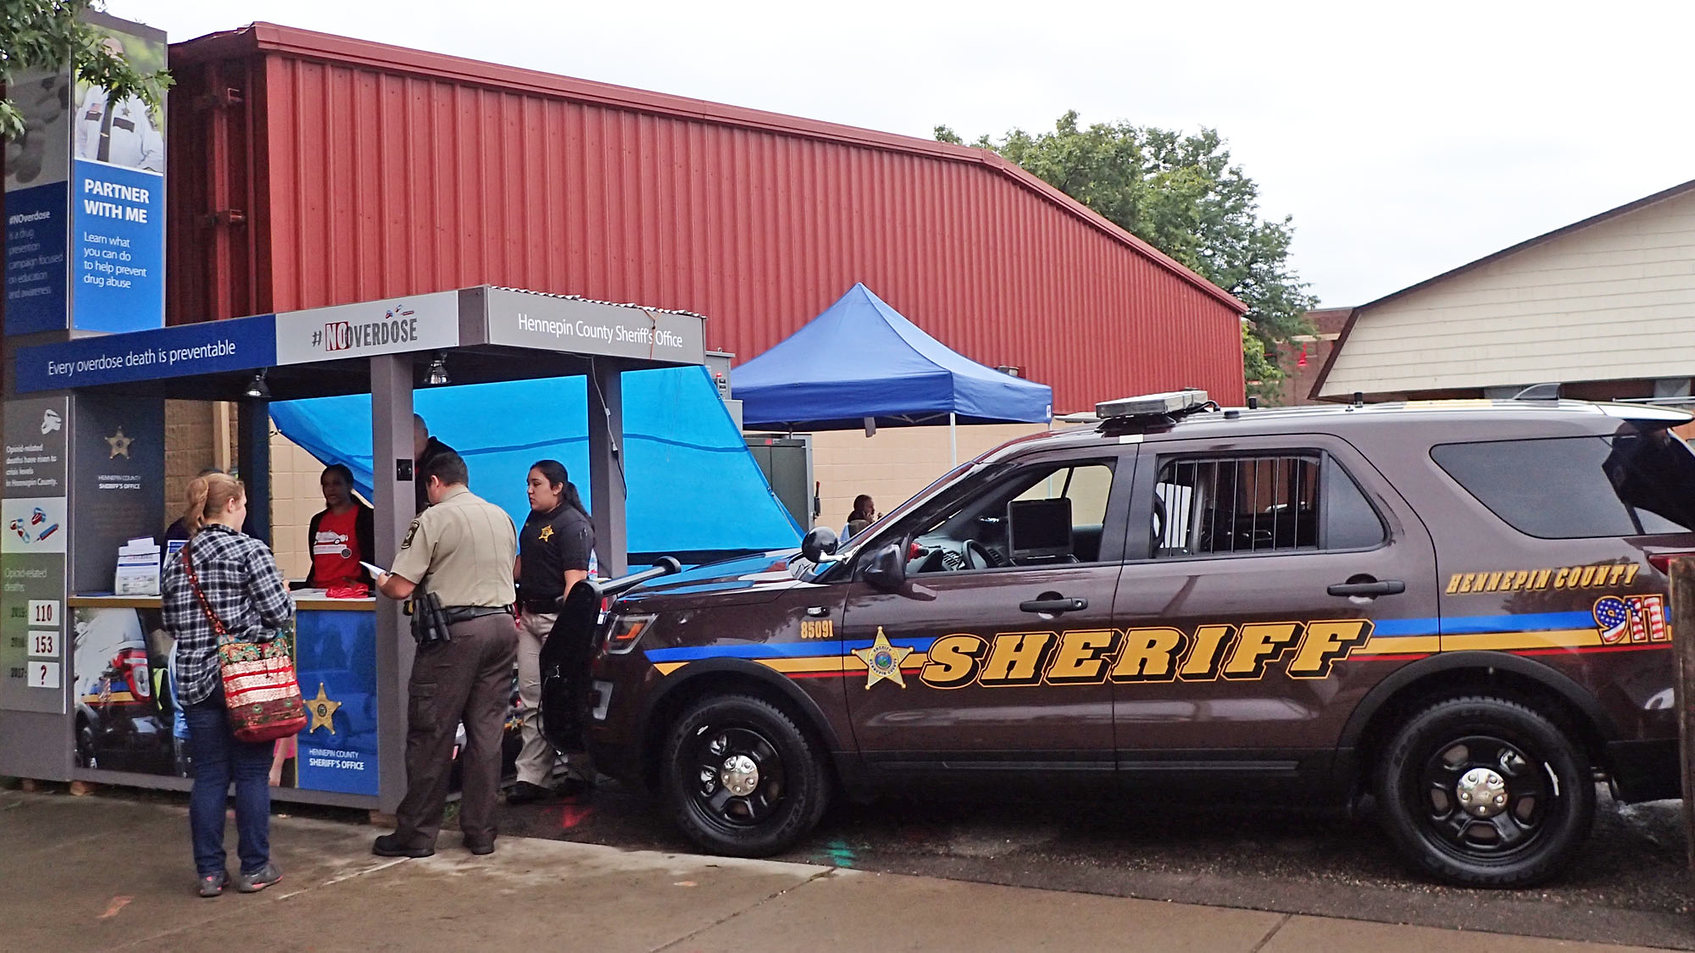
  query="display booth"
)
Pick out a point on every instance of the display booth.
point(84, 686)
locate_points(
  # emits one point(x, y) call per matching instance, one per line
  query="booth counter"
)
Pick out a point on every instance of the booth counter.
point(125, 709)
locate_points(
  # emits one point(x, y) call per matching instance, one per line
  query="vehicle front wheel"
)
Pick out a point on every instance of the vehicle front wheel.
point(740, 778)
point(1485, 792)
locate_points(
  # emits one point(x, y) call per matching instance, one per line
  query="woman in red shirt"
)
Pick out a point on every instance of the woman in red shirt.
point(341, 535)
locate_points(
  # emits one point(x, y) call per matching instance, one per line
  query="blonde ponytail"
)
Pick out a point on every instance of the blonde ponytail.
point(209, 496)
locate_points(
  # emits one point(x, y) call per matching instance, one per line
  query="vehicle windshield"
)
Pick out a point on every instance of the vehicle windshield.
point(803, 568)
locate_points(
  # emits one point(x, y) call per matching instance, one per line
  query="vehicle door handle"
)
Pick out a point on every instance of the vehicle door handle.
point(1387, 587)
point(1056, 605)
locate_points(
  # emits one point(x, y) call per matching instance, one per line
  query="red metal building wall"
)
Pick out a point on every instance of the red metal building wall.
point(341, 171)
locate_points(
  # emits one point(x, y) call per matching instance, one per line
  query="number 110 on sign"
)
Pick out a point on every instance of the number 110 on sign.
point(44, 612)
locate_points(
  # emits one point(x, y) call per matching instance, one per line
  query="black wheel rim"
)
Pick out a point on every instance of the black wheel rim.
point(1485, 798)
point(714, 768)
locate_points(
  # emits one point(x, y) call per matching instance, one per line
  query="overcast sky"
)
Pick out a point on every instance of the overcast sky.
point(1404, 139)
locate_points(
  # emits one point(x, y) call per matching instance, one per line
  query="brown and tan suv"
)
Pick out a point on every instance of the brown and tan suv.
point(1456, 607)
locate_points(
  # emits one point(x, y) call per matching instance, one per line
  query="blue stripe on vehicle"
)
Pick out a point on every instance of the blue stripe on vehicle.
point(1389, 628)
point(1473, 624)
point(1524, 622)
point(820, 648)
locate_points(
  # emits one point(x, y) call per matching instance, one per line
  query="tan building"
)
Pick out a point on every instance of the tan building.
point(1605, 307)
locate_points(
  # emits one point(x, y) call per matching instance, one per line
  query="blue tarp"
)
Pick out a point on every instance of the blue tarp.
point(862, 358)
point(693, 487)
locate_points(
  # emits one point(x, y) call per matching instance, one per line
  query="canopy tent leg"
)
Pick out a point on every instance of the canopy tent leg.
point(953, 440)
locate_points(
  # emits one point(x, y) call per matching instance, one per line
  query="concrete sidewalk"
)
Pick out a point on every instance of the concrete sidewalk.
point(112, 874)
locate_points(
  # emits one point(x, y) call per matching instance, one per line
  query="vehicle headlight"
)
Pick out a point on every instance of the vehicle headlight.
point(625, 632)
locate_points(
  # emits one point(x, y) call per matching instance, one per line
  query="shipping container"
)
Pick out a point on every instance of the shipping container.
point(311, 170)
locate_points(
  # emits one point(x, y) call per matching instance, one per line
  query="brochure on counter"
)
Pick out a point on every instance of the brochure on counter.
point(138, 568)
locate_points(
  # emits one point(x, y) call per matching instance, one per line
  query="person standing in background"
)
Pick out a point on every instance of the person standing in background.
point(233, 578)
point(424, 449)
point(461, 550)
point(555, 546)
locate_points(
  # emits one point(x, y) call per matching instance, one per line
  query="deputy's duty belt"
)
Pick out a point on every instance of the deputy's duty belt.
point(467, 613)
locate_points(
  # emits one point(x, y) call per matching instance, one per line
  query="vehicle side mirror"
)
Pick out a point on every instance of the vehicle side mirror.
point(885, 568)
point(819, 543)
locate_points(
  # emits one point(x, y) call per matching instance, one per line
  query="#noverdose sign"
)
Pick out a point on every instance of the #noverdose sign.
point(423, 322)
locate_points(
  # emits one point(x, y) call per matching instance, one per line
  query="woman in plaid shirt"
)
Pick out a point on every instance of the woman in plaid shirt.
point(240, 580)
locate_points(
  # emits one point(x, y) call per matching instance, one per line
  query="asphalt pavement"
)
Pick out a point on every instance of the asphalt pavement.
point(111, 872)
point(1629, 885)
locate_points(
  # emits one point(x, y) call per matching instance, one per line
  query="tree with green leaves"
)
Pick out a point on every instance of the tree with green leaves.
point(1181, 194)
point(50, 34)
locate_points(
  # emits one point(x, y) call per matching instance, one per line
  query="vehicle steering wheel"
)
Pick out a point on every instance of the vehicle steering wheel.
point(977, 556)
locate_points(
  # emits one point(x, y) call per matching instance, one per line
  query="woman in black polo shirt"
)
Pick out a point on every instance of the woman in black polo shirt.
point(554, 551)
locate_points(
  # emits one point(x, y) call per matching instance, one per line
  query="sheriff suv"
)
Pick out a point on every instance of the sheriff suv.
point(1458, 608)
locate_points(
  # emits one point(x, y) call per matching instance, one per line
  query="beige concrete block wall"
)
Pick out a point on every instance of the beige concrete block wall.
point(891, 466)
point(194, 441)
point(894, 463)
point(295, 497)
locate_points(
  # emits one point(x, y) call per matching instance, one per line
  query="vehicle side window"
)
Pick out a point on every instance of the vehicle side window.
point(1349, 520)
point(1290, 502)
point(1577, 487)
point(1036, 515)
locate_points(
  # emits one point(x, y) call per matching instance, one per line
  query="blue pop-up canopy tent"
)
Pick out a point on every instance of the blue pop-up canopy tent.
point(862, 358)
point(694, 490)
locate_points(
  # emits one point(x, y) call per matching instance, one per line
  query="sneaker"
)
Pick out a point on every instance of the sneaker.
point(259, 879)
point(479, 847)
point(212, 885)
point(392, 845)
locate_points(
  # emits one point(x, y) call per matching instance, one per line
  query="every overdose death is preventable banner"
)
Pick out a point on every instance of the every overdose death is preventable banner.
point(206, 348)
point(416, 323)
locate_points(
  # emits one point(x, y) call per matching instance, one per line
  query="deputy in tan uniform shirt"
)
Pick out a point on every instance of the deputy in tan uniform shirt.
point(461, 549)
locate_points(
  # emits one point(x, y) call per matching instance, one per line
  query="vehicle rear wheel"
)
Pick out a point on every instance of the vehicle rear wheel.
point(740, 778)
point(1485, 792)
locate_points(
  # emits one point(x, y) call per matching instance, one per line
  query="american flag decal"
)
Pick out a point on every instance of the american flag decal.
point(1631, 619)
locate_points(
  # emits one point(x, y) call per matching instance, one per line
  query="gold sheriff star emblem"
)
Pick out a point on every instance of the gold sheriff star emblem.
point(119, 444)
point(882, 660)
point(323, 711)
point(545, 534)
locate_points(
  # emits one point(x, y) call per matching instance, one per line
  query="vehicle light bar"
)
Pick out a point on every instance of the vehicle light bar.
point(1169, 404)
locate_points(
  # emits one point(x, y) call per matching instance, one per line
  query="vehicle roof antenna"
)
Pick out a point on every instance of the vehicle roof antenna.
point(1549, 391)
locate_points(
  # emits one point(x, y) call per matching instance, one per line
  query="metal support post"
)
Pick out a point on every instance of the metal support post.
point(253, 460)
point(391, 479)
point(607, 490)
point(1683, 647)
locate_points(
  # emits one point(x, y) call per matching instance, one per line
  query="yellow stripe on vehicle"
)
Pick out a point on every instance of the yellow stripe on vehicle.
point(1403, 645)
point(1519, 641)
point(822, 663)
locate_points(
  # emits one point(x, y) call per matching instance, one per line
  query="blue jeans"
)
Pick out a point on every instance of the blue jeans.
point(219, 758)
